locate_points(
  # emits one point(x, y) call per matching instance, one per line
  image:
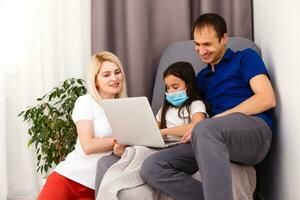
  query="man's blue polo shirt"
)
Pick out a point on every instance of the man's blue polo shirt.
point(228, 85)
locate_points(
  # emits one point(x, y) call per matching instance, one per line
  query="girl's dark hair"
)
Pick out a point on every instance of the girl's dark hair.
point(185, 72)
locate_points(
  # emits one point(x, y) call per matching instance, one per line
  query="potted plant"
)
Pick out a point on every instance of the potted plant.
point(51, 129)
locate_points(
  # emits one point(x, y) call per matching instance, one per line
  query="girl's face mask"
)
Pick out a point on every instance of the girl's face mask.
point(176, 98)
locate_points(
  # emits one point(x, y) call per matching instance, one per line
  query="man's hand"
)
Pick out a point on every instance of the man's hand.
point(186, 138)
point(119, 149)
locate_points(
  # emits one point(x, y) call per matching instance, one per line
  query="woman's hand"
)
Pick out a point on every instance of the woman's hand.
point(119, 149)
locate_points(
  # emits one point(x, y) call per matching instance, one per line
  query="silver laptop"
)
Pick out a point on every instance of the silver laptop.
point(133, 123)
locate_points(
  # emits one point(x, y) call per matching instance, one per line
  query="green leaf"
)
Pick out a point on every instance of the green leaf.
point(39, 157)
point(29, 142)
point(21, 113)
point(46, 168)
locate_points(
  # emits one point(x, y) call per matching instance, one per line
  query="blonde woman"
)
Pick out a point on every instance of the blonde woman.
point(74, 178)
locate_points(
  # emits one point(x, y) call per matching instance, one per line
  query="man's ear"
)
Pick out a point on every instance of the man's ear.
point(224, 39)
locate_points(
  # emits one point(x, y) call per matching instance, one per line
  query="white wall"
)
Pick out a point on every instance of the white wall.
point(277, 33)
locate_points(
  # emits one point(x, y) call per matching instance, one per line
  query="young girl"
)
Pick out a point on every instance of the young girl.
point(182, 109)
point(183, 106)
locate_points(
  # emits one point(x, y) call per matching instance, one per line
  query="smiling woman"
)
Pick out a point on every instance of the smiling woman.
point(42, 44)
point(95, 138)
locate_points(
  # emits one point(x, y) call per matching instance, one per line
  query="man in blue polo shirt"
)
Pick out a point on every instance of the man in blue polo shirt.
point(237, 87)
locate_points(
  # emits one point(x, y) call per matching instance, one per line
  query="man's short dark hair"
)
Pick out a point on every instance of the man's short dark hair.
point(211, 19)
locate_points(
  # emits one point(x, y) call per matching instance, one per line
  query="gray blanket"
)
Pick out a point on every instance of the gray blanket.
point(122, 180)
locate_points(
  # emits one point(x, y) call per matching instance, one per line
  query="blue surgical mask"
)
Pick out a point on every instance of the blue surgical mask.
point(177, 98)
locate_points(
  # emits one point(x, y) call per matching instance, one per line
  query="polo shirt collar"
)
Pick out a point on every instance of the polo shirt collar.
point(227, 57)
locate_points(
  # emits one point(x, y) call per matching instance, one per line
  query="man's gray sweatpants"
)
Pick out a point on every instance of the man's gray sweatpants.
point(215, 142)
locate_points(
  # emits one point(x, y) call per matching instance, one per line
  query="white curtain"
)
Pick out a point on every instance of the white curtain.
point(42, 43)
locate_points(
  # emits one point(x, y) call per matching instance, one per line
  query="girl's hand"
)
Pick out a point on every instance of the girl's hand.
point(119, 149)
point(186, 138)
point(163, 133)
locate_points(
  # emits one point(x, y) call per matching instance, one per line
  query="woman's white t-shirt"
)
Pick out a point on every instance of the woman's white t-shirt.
point(78, 166)
point(172, 118)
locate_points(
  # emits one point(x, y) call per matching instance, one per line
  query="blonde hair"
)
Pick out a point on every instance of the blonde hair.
point(94, 67)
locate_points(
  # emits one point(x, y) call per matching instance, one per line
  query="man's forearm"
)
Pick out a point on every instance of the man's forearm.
point(258, 103)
